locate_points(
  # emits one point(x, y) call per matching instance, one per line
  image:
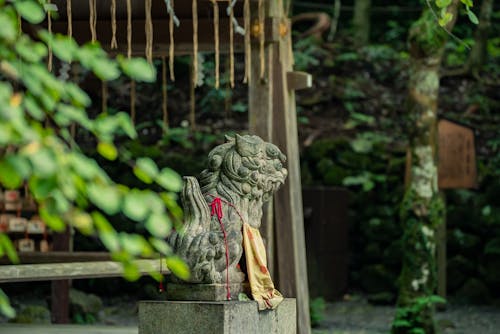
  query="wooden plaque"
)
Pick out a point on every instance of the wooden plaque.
point(457, 156)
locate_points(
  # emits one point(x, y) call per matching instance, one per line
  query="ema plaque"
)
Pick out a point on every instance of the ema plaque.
point(457, 156)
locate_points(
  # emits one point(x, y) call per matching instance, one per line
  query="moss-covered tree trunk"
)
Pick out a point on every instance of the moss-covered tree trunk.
point(361, 21)
point(478, 53)
point(422, 209)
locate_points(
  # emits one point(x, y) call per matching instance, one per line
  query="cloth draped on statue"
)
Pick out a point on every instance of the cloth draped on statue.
point(261, 284)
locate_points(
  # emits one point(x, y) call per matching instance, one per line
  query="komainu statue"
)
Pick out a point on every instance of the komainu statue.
point(222, 214)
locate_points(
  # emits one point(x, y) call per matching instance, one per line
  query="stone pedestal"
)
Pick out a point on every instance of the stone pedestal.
point(229, 317)
point(205, 292)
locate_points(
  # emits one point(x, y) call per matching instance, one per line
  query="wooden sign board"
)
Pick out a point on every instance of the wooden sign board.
point(457, 156)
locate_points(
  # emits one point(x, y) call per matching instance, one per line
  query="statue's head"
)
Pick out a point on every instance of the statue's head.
point(245, 166)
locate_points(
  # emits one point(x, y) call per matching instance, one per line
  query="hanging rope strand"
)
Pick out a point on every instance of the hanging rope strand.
point(93, 19)
point(70, 18)
point(248, 45)
point(114, 43)
point(261, 39)
point(132, 101)
point(164, 92)
point(231, 47)
point(149, 31)
point(49, 45)
point(104, 93)
point(195, 42)
point(129, 28)
point(217, 43)
point(172, 20)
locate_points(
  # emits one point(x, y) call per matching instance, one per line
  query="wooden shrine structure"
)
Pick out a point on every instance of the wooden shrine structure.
point(259, 28)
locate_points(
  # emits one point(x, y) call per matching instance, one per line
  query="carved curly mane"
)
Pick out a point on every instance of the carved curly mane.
point(244, 172)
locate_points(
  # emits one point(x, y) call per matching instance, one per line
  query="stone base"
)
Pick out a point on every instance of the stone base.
point(233, 317)
point(205, 292)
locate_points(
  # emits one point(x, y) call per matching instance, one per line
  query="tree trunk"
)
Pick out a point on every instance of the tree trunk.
point(361, 21)
point(422, 209)
point(477, 56)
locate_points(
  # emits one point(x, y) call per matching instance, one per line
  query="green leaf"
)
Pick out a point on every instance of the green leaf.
point(472, 17)
point(443, 3)
point(445, 19)
point(41, 188)
point(33, 108)
point(9, 176)
point(8, 248)
point(9, 26)
point(170, 180)
point(467, 3)
point(43, 162)
point(135, 205)
point(107, 198)
point(130, 271)
point(78, 96)
point(137, 68)
point(178, 267)
point(159, 225)
point(64, 47)
point(161, 246)
point(110, 240)
point(5, 307)
point(83, 165)
point(107, 150)
point(52, 220)
point(135, 244)
point(83, 222)
point(31, 11)
point(146, 170)
point(126, 124)
point(105, 69)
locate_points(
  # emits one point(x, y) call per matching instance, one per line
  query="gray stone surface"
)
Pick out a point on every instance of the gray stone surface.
point(205, 292)
point(244, 173)
point(234, 317)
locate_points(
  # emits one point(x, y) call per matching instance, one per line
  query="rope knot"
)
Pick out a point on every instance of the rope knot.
point(216, 207)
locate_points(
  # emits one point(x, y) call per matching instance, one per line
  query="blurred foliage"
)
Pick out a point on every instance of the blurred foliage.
point(37, 110)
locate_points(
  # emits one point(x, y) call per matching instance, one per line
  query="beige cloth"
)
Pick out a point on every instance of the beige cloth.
point(261, 284)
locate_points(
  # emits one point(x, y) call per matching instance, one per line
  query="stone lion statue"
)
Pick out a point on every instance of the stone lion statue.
point(243, 173)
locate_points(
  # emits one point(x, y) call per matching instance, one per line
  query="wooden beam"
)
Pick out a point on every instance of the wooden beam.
point(298, 80)
point(75, 270)
point(58, 257)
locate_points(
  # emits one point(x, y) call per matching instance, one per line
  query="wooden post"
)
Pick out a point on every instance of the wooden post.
point(60, 289)
point(260, 123)
point(272, 115)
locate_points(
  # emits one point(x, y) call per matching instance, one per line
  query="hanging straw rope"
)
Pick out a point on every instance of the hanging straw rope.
point(149, 31)
point(192, 99)
point(114, 43)
point(217, 44)
point(164, 92)
point(172, 20)
point(195, 42)
point(49, 45)
point(261, 39)
point(248, 46)
point(93, 19)
point(129, 28)
point(104, 93)
point(70, 18)
point(129, 55)
point(132, 101)
point(231, 46)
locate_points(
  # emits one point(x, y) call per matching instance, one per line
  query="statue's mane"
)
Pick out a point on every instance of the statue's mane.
point(238, 168)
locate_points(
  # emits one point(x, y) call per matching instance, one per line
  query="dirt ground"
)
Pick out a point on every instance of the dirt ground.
point(359, 317)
